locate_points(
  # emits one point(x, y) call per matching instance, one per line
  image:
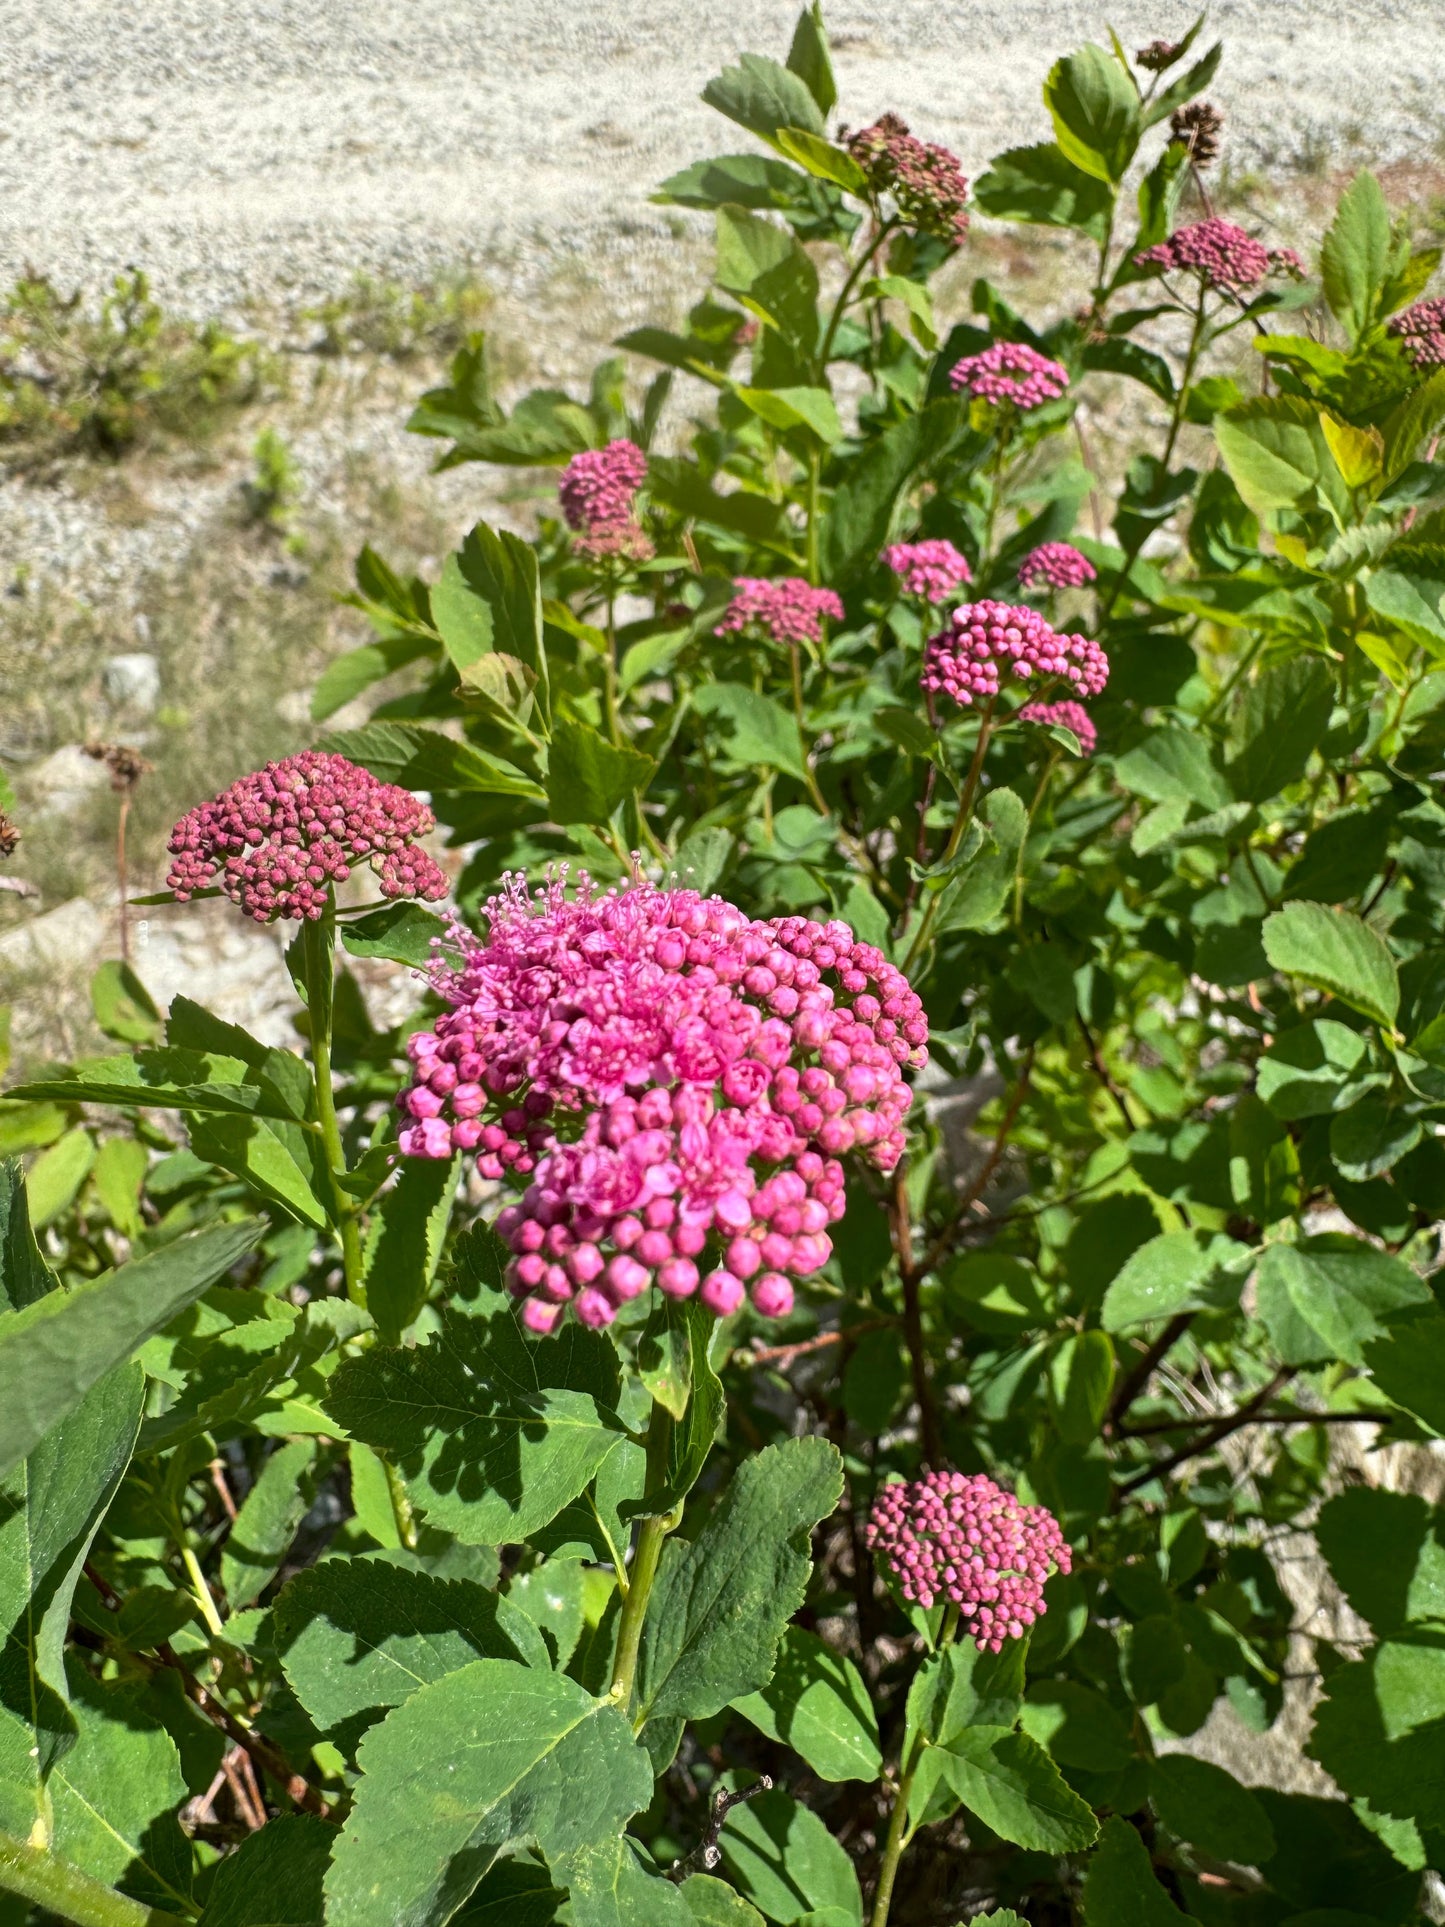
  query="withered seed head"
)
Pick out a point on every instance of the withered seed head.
point(1158, 55)
point(9, 836)
point(1198, 126)
point(126, 765)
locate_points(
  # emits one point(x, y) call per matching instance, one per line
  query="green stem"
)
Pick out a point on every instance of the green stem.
point(401, 1510)
point(1049, 768)
point(965, 814)
point(815, 463)
point(896, 1842)
point(319, 957)
point(646, 1554)
point(610, 689)
point(61, 1889)
point(201, 1590)
point(885, 229)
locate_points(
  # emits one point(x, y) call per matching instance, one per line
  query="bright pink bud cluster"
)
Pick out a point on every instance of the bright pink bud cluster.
point(1010, 372)
point(1222, 254)
point(678, 1081)
point(1420, 331)
point(925, 180)
point(1055, 565)
point(787, 608)
point(277, 840)
point(1068, 716)
point(989, 639)
point(948, 1536)
point(596, 492)
point(931, 569)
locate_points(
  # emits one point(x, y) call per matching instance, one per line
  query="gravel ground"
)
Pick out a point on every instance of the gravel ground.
point(275, 146)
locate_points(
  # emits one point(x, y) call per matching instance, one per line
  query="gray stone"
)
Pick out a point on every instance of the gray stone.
point(66, 938)
point(132, 681)
point(65, 782)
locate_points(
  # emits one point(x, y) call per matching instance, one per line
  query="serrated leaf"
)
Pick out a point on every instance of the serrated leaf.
point(1338, 952)
point(787, 1862)
point(493, 1434)
point(1280, 724)
point(817, 1704)
point(401, 932)
point(1386, 1552)
point(1095, 110)
point(1409, 1368)
point(1043, 186)
point(1171, 1273)
point(762, 732)
point(1120, 1889)
point(1013, 1786)
point(1322, 1301)
point(491, 1757)
point(762, 96)
point(587, 777)
point(720, 1604)
point(1203, 1804)
point(1355, 254)
point(608, 1885)
point(404, 1241)
point(274, 1878)
point(361, 1634)
point(266, 1523)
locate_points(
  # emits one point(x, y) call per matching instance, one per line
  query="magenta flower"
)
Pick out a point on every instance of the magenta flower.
point(1069, 716)
point(1420, 331)
point(679, 1083)
point(931, 569)
point(966, 1541)
point(1055, 565)
point(1222, 255)
point(277, 840)
point(925, 180)
point(1010, 372)
point(988, 640)
point(787, 609)
point(597, 492)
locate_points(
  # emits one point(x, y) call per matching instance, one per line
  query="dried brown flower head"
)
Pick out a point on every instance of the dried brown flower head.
point(1158, 55)
point(126, 765)
point(1198, 126)
point(9, 836)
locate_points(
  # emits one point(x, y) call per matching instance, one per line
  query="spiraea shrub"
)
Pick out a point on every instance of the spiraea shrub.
point(614, 1449)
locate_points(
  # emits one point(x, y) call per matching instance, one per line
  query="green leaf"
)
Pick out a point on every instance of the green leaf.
point(1173, 764)
point(762, 731)
point(1120, 1889)
point(1095, 110)
point(1386, 1553)
point(1081, 1375)
point(118, 1176)
point(810, 59)
point(1355, 255)
point(424, 759)
point(713, 1903)
point(493, 1757)
point(347, 677)
point(275, 1157)
point(817, 1704)
point(1281, 722)
point(1313, 1069)
point(720, 1604)
point(701, 858)
point(361, 1634)
point(514, 1893)
point(54, 1350)
point(770, 272)
point(1409, 1368)
point(1043, 186)
point(785, 408)
point(1013, 1786)
point(494, 1434)
point(787, 1862)
point(266, 1523)
point(1411, 600)
point(1380, 1729)
point(1338, 952)
point(57, 1175)
point(499, 570)
point(823, 160)
point(51, 1505)
point(1321, 1301)
point(762, 96)
point(1201, 1803)
point(24, 1275)
point(274, 1878)
point(587, 777)
point(404, 1242)
point(978, 893)
point(123, 1006)
point(1276, 452)
point(608, 1885)
point(401, 932)
point(1177, 1271)
point(170, 1079)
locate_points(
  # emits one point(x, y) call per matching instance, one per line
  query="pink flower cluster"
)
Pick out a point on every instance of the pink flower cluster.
point(787, 609)
point(948, 1536)
point(1010, 372)
point(988, 638)
point(1222, 254)
point(597, 492)
point(277, 840)
point(931, 569)
point(678, 1082)
point(1055, 565)
point(1069, 716)
point(1420, 331)
point(925, 180)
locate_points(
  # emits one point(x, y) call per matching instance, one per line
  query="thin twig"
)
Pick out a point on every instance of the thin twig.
point(1131, 1386)
point(1104, 1076)
point(251, 1808)
point(912, 1278)
point(944, 1242)
point(781, 1356)
point(1220, 1429)
point(707, 1854)
point(1258, 1418)
point(223, 1491)
point(272, 1762)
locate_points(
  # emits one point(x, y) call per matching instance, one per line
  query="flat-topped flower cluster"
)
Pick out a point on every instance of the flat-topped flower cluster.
point(678, 1081)
point(964, 1540)
point(786, 608)
point(598, 493)
point(990, 640)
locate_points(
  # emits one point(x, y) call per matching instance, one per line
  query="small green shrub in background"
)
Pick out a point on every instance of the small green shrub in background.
point(595, 1453)
point(77, 381)
point(271, 491)
point(380, 317)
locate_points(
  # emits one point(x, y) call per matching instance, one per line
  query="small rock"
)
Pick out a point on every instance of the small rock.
point(132, 681)
point(67, 937)
point(64, 783)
